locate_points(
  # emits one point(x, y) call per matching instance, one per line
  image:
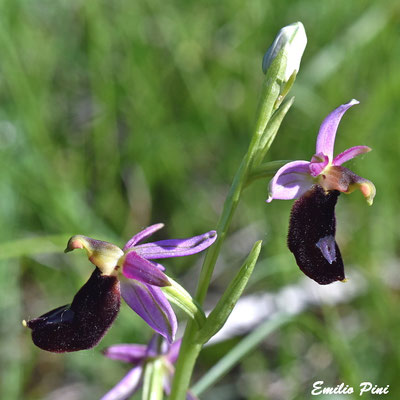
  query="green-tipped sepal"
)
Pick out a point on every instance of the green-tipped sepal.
point(177, 295)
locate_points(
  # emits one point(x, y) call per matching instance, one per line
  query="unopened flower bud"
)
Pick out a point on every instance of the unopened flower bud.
point(292, 40)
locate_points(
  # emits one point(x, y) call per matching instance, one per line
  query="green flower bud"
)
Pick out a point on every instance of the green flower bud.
point(292, 40)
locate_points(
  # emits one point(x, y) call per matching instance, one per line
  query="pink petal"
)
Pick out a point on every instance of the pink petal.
point(131, 353)
point(327, 131)
point(173, 352)
point(349, 154)
point(176, 247)
point(150, 303)
point(152, 346)
point(167, 383)
point(144, 234)
point(291, 181)
point(137, 267)
point(159, 266)
point(126, 387)
point(318, 163)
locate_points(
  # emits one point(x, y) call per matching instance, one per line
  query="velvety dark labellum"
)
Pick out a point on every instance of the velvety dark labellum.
point(311, 236)
point(82, 324)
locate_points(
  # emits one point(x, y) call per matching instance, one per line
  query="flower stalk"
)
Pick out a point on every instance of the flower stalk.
point(270, 99)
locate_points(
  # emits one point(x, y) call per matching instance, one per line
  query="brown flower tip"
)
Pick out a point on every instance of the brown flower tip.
point(103, 255)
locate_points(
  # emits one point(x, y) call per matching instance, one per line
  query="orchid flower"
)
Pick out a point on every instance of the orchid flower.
point(94, 308)
point(317, 184)
point(139, 355)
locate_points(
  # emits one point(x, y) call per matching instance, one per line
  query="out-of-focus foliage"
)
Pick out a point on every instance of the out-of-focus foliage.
point(118, 114)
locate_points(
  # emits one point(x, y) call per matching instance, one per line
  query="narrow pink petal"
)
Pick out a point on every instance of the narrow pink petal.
point(150, 303)
point(167, 383)
point(327, 131)
point(152, 346)
point(176, 247)
point(137, 267)
point(129, 384)
point(349, 154)
point(159, 266)
point(144, 234)
point(131, 353)
point(318, 163)
point(291, 181)
point(173, 351)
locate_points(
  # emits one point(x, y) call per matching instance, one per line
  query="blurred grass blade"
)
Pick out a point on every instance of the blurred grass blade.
point(226, 363)
point(180, 297)
point(32, 246)
point(363, 29)
point(227, 302)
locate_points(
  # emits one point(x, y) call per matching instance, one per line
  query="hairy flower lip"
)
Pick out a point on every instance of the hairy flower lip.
point(311, 236)
point(82, 324)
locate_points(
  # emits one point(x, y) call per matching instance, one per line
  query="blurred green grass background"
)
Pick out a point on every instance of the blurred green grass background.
point(115, 115)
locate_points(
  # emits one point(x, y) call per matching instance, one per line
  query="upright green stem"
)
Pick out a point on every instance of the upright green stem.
point(190, 348)
point(269, 95)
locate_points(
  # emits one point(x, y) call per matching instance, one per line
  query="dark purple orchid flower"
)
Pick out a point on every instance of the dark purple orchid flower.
point(82, 324)
point(317, 184)
point(138, 355)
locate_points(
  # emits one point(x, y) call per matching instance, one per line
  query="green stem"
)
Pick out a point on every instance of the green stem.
point(271, 130)
point(190, 348)
point(269, 95)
